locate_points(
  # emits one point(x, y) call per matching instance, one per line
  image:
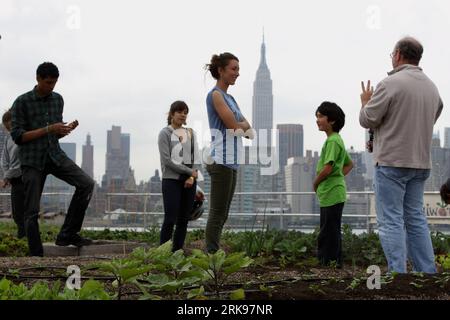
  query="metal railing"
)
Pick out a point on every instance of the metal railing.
point(249, 211)
point(359, 211)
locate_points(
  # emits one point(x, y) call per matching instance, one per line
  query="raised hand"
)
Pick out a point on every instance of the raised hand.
point(366, 94)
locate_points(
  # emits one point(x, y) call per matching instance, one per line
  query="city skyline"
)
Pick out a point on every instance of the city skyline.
point(129, 73)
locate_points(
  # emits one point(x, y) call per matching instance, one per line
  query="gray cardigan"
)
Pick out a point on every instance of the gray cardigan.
point(174, 155)
point(10, 160)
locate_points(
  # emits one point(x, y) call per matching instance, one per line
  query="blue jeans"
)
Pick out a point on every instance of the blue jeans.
point(402, 224)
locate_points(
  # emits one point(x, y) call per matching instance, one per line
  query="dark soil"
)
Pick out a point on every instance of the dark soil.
point(260, 282)
point(403, 287)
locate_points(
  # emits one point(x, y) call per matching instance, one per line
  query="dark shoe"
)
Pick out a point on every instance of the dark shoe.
point(75, 240)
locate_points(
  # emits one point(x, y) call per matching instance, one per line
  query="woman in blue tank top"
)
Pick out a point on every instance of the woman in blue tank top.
point(228, 126)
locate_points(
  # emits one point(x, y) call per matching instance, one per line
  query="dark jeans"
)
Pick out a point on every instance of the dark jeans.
point(17, 204)
point(178, 203)
point(223, 183)
point(329, 240)
point(34, 180)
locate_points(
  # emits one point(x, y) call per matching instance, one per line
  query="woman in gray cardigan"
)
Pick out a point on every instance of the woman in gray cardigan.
point(178, 149)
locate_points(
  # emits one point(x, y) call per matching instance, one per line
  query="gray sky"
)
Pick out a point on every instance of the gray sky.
point(124, 62)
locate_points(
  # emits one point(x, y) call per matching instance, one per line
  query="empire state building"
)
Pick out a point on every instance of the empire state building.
point(262, 106)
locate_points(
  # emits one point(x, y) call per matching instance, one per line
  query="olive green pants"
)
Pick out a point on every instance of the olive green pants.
point(223, 183)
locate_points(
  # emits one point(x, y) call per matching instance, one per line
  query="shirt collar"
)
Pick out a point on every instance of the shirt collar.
point(37, 97)
point(404, 67)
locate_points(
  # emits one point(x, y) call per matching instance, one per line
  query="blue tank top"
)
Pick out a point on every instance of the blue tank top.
point(226, 148)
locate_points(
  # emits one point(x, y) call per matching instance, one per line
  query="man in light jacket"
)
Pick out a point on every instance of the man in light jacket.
point(402, 112)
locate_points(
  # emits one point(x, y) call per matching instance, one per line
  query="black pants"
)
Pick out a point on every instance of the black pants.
point(17, 204)
point(178, 203)
point(329, 240)
point(34, 180)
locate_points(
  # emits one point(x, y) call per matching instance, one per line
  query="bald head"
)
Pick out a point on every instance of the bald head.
point(410, 49)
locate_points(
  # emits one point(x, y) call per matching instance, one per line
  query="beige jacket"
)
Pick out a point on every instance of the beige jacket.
point(402, 112)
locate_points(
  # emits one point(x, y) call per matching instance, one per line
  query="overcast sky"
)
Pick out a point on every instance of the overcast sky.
point(124, 62)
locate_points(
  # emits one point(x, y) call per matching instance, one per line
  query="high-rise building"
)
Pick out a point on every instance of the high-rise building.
point(290, 142)
point(262, 106)
point(440, 165)
point(369, 165)
point(246, 181)
point(262, 122)
point(355, 179)
point(87, 163)
point(117, 159)
point(447, 138)
point(299, 175)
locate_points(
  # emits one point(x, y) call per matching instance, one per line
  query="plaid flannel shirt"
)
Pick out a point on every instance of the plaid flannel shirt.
point(30, 112)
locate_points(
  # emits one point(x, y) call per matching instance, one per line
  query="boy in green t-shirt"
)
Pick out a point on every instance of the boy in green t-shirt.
point(329, 184)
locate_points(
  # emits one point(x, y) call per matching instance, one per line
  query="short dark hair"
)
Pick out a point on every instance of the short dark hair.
point(410, 49)
point(219, 61)
point(445, 191)
point(174, 107)
point(47, 70)
point(7, 116)
point(333, 113)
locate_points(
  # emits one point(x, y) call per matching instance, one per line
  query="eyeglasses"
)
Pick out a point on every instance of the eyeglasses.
point(392, 54)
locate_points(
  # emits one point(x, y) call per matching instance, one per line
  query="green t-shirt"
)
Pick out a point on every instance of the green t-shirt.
point(332, 190)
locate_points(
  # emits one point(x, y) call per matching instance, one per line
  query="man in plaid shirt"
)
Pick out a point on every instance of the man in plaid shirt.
point(37, 125)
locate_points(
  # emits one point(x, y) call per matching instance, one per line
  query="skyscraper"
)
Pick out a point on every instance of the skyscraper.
point(87, 163)
point(117, 159)
point(355, 178)
point(290, 142)
point(262, 106)
point(447, 138)
point(299, 174)
point(440, 165)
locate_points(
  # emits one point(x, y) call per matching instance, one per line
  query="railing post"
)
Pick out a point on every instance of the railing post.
point(368, 213)
point(281, 212)
point(145, 212)
point(108, 208)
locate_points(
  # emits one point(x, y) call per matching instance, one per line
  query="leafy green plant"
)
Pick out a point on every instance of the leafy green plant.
point(355, 283)
point(150, 236)
point(91, 290)
point(174, 271)
point(441, 243)
point(238, 294)
point(290, 251)
point(12, 246)
point(444, 261)
point(316, 288)
point(219, 266)
point(443, 279)
point(124, 271)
